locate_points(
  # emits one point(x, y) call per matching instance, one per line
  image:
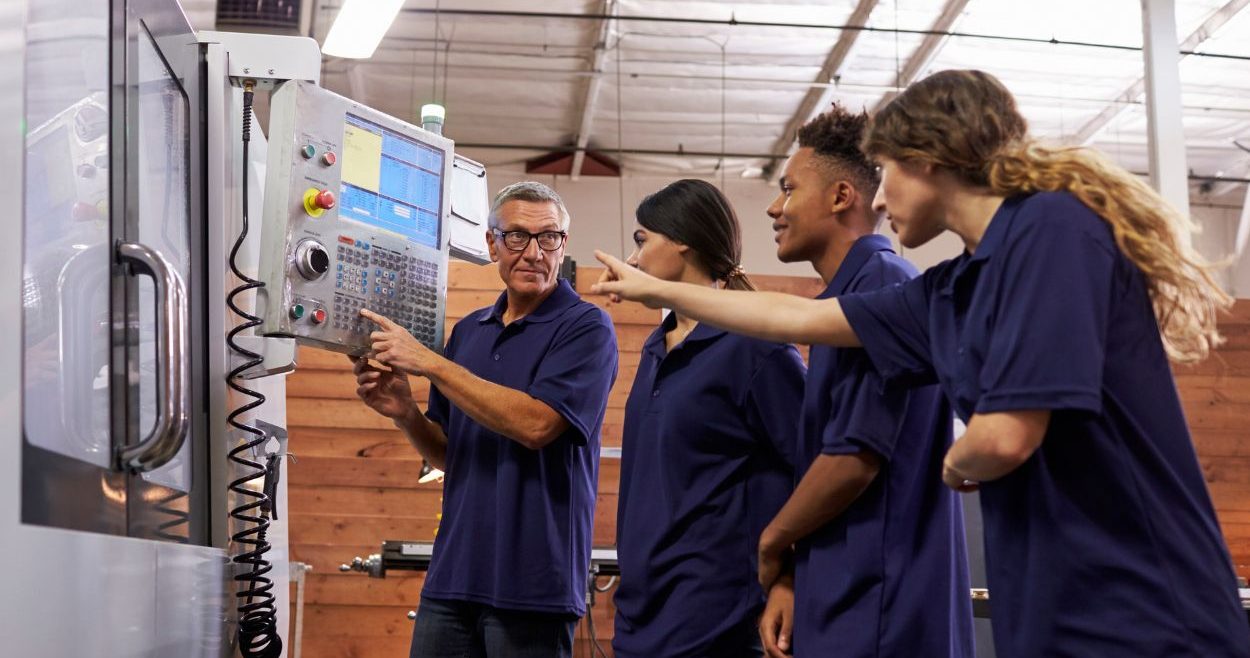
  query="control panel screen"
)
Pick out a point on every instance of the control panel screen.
point(391, 182)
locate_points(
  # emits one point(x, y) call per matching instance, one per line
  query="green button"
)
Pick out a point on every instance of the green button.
point(297, 311)
point(309, 151)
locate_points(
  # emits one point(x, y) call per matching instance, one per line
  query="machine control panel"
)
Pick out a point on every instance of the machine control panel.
point(357, 206)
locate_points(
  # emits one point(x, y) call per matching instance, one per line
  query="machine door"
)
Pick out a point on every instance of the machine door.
point(164, 214)
point(111, 272)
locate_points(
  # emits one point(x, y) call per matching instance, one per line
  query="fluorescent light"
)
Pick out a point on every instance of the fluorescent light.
point(359, 27)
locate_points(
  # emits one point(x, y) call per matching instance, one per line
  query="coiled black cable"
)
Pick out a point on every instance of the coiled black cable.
point(175, 527)
point(258, 630)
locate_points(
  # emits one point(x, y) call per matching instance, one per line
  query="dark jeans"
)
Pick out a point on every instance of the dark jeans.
point(459, 629)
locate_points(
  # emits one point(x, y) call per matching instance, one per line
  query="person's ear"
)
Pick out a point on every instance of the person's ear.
point(491, 246)
point(841, 196)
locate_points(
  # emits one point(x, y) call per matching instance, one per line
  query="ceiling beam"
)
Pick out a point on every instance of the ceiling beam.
point(818, 97)
point(1243, 232)
point(920, 59)
point(927, 51)
point(1132, 94)
point(1239, 273)
point(1165, 125)
point(590, 99)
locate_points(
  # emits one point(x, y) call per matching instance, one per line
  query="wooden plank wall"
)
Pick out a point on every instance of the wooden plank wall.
point(355, 481)
point(1216, 395)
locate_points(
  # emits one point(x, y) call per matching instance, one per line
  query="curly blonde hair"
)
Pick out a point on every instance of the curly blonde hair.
point(966, 122)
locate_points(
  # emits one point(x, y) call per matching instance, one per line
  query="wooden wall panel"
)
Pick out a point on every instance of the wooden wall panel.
point(1216, 395)
point(355, 481)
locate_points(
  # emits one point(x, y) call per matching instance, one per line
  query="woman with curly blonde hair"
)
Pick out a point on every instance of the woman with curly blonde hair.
point(1050, 335)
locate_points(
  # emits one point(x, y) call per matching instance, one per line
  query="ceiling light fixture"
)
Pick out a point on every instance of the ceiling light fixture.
point(359, 27)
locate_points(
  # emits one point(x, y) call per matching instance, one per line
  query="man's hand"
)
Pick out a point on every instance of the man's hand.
point(777, 622)
point(387, 393)
point(395, 347)
point(623, 281)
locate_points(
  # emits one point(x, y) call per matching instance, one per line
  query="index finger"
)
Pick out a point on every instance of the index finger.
point(606, 275)
point(381, 320)
point(614, 264)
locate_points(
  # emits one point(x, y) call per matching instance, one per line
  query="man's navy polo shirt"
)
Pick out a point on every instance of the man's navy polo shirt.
point(1104, 543)
point(889, 576)
point(517, 523)
point(708, 437)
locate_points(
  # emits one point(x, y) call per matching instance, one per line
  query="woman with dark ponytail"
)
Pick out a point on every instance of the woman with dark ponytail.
point(1050, 335)
point(706, 448)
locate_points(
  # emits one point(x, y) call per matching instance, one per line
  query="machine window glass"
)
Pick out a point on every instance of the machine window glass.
point(164, 212)
point(66, 246)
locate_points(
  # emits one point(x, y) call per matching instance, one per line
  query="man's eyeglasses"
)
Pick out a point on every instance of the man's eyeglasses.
point(520, 240)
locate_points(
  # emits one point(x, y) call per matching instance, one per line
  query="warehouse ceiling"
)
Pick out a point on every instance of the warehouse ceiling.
point(704, 88)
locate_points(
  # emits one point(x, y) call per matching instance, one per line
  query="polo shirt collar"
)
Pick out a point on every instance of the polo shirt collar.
point(860, 252)
point(993, 238)
point(655, 342)
point(996, 232)
point(560, 299)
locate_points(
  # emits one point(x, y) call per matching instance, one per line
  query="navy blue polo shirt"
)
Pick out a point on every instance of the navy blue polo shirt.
point(1104, 543)
point(517, 523)
point(889, 576)
point(709, 432)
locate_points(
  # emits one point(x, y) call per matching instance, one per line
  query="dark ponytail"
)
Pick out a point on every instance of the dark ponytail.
point(694, 213)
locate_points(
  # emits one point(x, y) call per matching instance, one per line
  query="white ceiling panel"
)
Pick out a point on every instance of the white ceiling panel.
point(706, 85)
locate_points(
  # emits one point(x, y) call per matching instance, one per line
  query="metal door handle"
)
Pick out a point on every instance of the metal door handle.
point(172, 378)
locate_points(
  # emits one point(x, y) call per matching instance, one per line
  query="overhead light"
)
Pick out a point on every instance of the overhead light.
point(359, 27)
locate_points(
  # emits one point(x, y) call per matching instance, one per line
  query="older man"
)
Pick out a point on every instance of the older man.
point(514, 415)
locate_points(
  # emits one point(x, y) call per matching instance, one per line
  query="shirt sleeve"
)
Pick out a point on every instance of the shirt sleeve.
point(438, 407)
point(1047, 345)
point(577, 372)
point(774, 400)
point(893, 326)
point(869, 413)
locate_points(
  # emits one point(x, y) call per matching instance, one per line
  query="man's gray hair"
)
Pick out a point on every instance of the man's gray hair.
point(528, 191)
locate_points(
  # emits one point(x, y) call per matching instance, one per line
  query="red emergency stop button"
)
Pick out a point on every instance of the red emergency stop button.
point(324, 199)
point(319, 316)
point(83, 211)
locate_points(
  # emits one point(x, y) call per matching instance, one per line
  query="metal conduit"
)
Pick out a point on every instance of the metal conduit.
point(718, 154)
point(733, 22)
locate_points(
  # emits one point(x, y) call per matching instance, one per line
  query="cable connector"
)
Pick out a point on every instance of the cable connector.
point(249, 89)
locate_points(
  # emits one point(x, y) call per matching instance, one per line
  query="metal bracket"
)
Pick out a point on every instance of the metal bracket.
point(268, 59)
point(278, 352)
